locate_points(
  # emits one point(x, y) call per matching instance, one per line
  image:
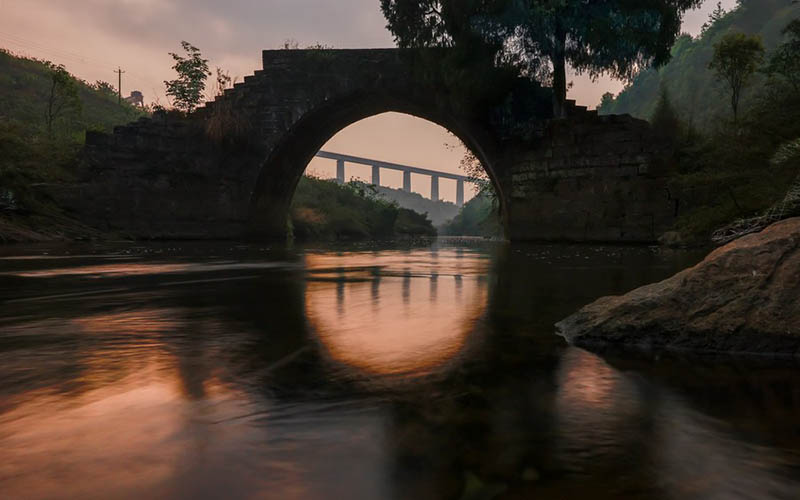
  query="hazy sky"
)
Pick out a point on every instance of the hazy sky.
point(93, 37)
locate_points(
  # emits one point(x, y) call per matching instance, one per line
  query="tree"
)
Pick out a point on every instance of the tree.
point(785, 60)
point(63, 99)
point(736, 58)
point(606, 102)
point(717, 14)
point(223, 81)
point(187, 90)
point(616, 37)
point(105, 89)
point(665, 120)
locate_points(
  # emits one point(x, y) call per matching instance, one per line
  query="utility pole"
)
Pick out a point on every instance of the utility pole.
point(119, 87)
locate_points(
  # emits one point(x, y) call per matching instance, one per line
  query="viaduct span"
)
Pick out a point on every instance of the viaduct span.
point(229, 170)
point(377, 165)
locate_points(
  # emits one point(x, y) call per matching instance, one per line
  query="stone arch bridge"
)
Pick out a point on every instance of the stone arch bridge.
point(229, 170)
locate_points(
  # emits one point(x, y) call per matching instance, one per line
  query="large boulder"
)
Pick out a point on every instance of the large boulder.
point(743, 298)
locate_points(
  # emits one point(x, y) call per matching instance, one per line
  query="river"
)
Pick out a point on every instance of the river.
point(179, 370)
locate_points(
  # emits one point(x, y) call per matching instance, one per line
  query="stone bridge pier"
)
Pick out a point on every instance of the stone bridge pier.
point(230, 169)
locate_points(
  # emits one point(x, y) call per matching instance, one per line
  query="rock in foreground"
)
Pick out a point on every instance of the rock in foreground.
point(743, 298)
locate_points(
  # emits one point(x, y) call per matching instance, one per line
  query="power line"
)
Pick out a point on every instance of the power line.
point(23, 42)
point(69, 56)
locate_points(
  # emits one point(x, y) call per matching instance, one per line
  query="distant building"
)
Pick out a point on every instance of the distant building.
point(136, 98)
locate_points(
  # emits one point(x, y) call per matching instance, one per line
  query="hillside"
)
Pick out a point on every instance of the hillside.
point(439, 212)
point(24, 89)
point(697, 98)
point(30, 156)
point(726, 170)
point(478, 217)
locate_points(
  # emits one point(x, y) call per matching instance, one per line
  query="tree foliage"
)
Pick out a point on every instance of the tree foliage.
point(784, 62)
point(472, 68)
point(717, 14)
point(326, 210)
point(105, 88)
point(223, 81)
point(187, 90)
point(665, 119)
point(736, 58)
point(693, 89)
point(478, 217)
point(63, 100)
point(617, 37)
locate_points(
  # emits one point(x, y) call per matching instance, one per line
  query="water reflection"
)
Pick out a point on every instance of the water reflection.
point(283, 386)
point(390, 321)
point(595, 406)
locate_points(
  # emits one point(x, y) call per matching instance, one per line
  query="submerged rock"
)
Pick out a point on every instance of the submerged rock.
point(743, 298)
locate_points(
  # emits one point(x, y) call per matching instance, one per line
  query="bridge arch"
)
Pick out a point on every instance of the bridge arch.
point(282, 169)
point(582, 178)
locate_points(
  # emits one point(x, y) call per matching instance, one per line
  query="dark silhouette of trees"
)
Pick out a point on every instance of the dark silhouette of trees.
point(736, 58)
point(717, 14)
point(616, 37)
point(62, 99)
point(187, 90)
point(665, 119)
point(105, 88)
point(785, 60)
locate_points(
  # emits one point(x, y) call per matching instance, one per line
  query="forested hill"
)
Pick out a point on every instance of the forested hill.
point(439, 212)
point(25, 86)
point(39, 147)
point(692, 89)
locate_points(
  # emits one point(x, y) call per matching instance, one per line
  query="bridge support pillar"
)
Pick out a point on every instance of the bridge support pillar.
point(340, 171)
point(434, 188)
point(460, 193)
point(406, 181)
point(376, 175)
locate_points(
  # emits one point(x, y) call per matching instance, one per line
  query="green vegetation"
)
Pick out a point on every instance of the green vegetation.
point(538, 38)
point(695, 94)
point(187, 90)
point(44, 115)
point(478, 217)
point(736, 58)
point(481, 215)
point(439, 212)
point(727, 114)
point(784, 63)
point(62, 100)
point(25, 88)
point(325, 210)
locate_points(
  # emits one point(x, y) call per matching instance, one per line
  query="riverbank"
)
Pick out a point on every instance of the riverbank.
point(42, 228)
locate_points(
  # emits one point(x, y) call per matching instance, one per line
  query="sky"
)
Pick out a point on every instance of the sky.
point(93, 38)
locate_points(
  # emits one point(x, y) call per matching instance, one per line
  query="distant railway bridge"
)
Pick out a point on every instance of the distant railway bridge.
point(342, 160)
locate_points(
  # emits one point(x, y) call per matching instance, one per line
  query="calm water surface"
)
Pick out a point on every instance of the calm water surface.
point(221, 371)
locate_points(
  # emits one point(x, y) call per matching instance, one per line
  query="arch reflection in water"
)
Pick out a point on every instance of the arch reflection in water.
point(387, 313)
